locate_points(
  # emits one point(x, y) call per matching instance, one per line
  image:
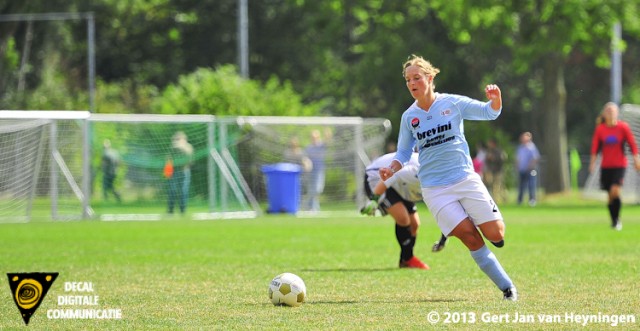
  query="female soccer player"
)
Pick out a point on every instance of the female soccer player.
point(609, 137)
point(397, 196)
point(453, 192)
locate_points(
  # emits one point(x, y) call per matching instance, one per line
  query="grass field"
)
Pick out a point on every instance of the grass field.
point(184, 275)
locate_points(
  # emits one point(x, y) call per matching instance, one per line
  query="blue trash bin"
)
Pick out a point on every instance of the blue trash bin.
point(283, 187)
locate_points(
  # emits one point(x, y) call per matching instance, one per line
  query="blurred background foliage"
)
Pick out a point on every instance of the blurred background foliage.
point(333, 57)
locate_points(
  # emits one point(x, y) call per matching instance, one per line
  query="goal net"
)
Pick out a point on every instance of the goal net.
point(350, 143)
point(150, 167)
point(41, 165)
point(631, 188)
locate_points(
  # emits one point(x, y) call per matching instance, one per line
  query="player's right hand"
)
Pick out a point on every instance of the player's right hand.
point(385, 173)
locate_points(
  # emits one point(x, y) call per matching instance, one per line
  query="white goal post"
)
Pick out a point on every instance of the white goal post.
point(631, 189)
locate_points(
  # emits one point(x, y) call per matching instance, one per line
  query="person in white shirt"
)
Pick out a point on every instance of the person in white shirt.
point(397, 196)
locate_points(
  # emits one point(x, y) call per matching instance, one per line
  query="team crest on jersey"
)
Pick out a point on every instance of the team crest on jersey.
point(611, 140)
point(415, 122)
point(446, 112)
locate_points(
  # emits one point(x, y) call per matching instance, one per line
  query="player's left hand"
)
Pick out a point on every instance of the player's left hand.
point(493, 92)
point(495, 95)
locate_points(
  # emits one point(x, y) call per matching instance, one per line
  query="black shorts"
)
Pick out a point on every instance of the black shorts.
point(391, 197)
point(611, 176)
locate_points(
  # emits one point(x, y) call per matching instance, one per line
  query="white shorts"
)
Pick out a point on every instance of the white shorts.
point(451, 204)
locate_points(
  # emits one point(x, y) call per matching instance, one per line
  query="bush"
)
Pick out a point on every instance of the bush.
point(224, 92)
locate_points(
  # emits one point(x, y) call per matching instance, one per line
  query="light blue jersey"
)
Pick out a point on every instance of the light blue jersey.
point(438, 135)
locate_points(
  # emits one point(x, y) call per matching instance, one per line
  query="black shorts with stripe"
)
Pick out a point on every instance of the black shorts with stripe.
point(611, 176)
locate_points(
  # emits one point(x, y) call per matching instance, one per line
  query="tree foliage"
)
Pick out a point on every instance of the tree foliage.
point(340, 57)
point(542, 35)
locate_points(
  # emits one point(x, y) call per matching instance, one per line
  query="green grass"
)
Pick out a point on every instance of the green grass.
point(183, 274)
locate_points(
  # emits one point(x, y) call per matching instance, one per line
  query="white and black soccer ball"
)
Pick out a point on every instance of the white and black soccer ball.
point(287, 289)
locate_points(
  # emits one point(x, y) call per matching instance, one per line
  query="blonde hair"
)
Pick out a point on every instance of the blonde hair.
point(179, 141)
point(425, 66)
point(603, 117)
point(609, 104)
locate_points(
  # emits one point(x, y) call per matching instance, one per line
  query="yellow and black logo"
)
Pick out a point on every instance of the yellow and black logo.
point(28, 290)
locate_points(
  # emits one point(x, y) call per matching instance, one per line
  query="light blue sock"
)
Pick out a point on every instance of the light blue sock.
point(489, 264)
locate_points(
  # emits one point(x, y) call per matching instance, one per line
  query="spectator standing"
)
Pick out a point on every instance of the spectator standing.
point(527, 158)
point(181, 157)
point(493, 170)
point(110, 162)
point(317, 153)
point(479, 159)
point(295, 154)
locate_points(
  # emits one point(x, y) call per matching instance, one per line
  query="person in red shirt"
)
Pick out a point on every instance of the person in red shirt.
point(609, 139)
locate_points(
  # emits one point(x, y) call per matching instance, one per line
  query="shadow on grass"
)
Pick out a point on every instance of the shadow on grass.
point(355, 302)
point(346, 302)
point(349, 269)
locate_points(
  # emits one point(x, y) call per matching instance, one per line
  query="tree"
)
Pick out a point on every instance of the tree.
point(542, 34)
point(29, 51)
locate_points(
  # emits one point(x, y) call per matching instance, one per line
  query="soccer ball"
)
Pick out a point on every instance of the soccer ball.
point(287, 289)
